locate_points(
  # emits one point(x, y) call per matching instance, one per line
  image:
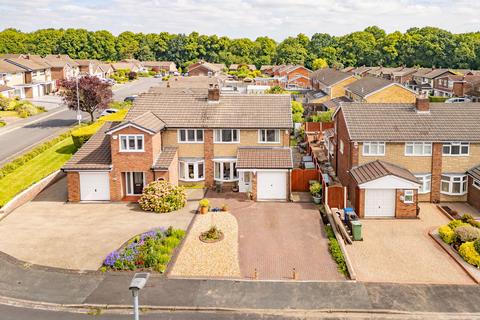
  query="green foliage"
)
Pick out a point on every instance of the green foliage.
point(469, 253)
point(297, 107)
point(162, 197)
point(2, 123)
point(211, 234)
point(319, 63)
point(336, 251)
point(437, 99)
point(456, 223)
point(466, 217)
point(315, 188)
point(325, 116)
point(447, 234)
point(476, 244)
point(204, 203)
point(276, 90)
point(467, 233)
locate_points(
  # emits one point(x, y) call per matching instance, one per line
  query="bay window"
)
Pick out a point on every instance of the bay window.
point(191, 170)
point(225, 170)
point(456, 149)
point(418, 149)
point(374, 148)
point(269, 136)
point(190, 135)
point(227, 136)
point(425, 181)
point(454, 184)
point(131, 142)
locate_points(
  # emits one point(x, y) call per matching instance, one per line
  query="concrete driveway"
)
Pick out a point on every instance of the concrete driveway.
point(50, 232)
point(402, 251)
point(275, 237)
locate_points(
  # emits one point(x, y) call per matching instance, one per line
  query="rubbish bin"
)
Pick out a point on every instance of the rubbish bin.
point(356, 230)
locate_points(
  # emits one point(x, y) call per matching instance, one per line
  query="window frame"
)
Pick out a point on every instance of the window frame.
point(215, 140)
point(451, 181)
point(460, 144)
point(196, 171)
point(475, 183)
point(423, 178)
point(221, 163)
point(410, 194)
point(127, 137)
point(423, 144)
point(277, 136)
point(196, 131)
point(370, 143)
point(130, 184)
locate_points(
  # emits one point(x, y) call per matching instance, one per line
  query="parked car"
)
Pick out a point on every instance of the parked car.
point(130, 98)
point(106, 112)
point(458, 100)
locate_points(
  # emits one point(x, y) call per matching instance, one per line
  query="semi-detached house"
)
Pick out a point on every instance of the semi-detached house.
point(188, 136)
point(390, 156)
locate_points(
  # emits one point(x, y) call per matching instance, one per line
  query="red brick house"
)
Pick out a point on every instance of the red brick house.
point(188, 137)
point(202, 68)
point(474, 187)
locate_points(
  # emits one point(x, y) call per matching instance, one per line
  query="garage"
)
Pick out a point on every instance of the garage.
point(379, 203)
point(94, 186)
point(271, 185)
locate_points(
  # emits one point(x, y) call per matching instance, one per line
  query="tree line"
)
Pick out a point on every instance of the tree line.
point(426, 47)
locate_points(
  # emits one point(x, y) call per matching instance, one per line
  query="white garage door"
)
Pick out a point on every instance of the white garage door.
point(379, 203)
point(94, 186)
point(271, 185)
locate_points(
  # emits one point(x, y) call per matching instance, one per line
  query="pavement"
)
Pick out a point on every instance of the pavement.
point(50, 232)
point(462, 208)
point(402, 251)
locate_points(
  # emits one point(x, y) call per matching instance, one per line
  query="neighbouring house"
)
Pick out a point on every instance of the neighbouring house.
point(473, 197)
point(197, 82)
point(91, 67)
point(123, 65)
point(168, 67)
point(188, 137)
point(329, 84)
point(348, 69)
point(63, 67)
point(137, 65)
point(202, 68)
point(267, 70)
point(448, 85)
point(471, 87)
point(6, 91)
point(379, 90)
point(378, 147)
point(293, 76)
point(423, 79)
point(234, 67)
point(12, 77)
point(107, 70)
point(362, 71)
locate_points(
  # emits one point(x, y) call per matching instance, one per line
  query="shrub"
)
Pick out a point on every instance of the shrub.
point(297, 117)
point(132, 75)
point(467, 233)
point(456, 223)
point(211, 234)
point(315, 188)
point(204, 203)
point(2, 123)
point(325, 116)
point(4, 103)
point(437, 99)
point(465, 217)
point(474, 223)
point(162, 197)
point(469, 253)
point(447, 234)
point(476, 244)
point(336, 251)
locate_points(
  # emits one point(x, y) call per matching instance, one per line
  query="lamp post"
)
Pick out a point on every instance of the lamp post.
point(79, 114)
point(138, 282)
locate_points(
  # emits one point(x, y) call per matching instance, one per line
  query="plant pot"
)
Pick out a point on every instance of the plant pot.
point(203, 210)
point(317, 199)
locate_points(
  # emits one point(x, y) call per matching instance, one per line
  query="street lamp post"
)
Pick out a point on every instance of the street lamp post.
point(79, 114)
point(138, 282)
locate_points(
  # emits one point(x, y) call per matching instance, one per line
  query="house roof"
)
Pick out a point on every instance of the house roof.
point(348, 69)
point(8, 67)
point(403, 72)
point(329, 76)
point(266, 67)
point(190, 108)
point(28, 64)
point(160, 64)
point(59, 61)
point(377, 169)
point(474, 172)
point(122, 65)
point(264, 158)
point(165, 158)
point(362, 69)
point(95, 154)
point(147, 121)
point(190, 82)
point(368, 85)
point(336, 102)
point(436, 73)
point(401, 122)
point(214, 67)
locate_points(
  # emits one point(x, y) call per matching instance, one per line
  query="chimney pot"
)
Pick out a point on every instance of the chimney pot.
point(213, 93)
point(422, 104)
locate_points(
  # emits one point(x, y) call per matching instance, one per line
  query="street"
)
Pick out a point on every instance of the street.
point(25, 133)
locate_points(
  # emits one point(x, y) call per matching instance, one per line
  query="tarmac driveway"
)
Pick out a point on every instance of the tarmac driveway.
point(402, 251)
point(275, 237)
point(50, 232)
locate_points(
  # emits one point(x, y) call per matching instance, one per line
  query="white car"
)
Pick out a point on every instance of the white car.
point(458, 100)
point(106, 112)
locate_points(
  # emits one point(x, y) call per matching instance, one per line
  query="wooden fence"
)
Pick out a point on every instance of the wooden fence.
point(318, 126)
point(301, 177)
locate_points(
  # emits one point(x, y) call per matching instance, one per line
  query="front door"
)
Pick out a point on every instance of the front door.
point(135, 183)
point(245, 181)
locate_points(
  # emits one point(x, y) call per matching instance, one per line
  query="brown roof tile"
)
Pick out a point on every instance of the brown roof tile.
point(264, 158)
point(165, 158)
point(330, 77)
point(474, 172)
point(377, 169)
point(368, 85)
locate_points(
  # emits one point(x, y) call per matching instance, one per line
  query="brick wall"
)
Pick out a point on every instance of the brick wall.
point(209, 153)
point(73, 186)
point(473, 194)
point(254, 186)
point(436, 172)
point(405, 210)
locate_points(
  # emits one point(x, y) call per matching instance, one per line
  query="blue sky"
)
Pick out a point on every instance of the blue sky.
point(240, 18)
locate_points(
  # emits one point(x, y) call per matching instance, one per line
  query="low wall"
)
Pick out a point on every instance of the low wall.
point(31, 192)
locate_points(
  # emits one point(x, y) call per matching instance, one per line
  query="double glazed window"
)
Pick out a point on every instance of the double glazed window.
point(456, 149)
point(190, 135)
point(374, 148)
point(191, 170)
point(418, 149)
point(131, 142)
point(476, 183)
point(227, 136)
point(226, 170)
point(408, 196)
point(454, 184)
point(135, 181)
point(269, 136)
point(425, 181)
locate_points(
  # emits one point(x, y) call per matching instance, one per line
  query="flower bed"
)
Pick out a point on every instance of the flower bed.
point(151, 250)
point(464, 237)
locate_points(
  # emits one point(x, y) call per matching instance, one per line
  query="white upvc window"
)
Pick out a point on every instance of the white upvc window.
point(131, 143)
point(454, 184)
point(269, 136)
point(408, 196)
point(190, 135)
point(418, 148)
point(374, 148)
point(342, 146)
point(426, 182)
point(225, 170)
point(456, 149)
point(134, 183)
point(476, 183)
point(191, 170)
point(227, 136)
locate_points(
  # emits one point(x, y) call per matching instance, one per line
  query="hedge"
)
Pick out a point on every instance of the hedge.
point(447, 234)
point(336, 251)
point(437, 99)
point(469, 254)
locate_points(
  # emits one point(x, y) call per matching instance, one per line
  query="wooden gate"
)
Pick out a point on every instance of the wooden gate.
point(301, 177)
point(335, 196)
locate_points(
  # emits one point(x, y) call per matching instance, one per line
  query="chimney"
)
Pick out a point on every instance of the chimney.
point(213, 93)
point(422, 104)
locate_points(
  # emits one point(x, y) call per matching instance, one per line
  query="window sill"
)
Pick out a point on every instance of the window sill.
point(190, 142)
point(456, 155)
point(418, 155)
point(373, 155)
point(453, 194)
point(235, 142)
point(131, 151)
point(269, 142)
point(191, 180)
point(231, 180)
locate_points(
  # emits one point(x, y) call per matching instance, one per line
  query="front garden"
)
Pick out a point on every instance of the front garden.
point(16, 108)
point(151, 250)
point(463, 235)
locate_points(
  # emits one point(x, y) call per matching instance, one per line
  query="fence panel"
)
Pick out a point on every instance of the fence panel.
point(301, 178)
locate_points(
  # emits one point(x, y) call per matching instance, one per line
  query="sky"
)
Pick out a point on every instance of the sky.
point(240, 18)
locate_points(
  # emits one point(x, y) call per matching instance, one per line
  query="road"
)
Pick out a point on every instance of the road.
point(15, 139)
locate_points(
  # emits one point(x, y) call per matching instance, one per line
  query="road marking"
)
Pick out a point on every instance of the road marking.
point(32, 122)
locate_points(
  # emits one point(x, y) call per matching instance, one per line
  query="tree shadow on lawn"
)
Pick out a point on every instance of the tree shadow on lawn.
point(69, 149)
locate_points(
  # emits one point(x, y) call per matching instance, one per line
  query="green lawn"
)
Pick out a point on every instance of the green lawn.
point(8, 114)
point(35, 170)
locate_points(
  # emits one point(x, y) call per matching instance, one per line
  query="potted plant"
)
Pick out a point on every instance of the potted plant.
point(315, 190)
point(204, 205)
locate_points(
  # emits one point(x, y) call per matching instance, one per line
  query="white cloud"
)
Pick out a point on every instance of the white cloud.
point(240, 18)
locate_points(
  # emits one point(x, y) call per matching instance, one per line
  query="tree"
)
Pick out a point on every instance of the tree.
point(319, 63)
point(292, 51)
point(94, 94)
point(126, 45)
point(275, 90)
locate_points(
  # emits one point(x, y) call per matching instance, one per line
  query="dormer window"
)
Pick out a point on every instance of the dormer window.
point(131, 143)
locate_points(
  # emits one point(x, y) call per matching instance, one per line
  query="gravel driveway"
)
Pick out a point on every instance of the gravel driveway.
point(402, 251)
